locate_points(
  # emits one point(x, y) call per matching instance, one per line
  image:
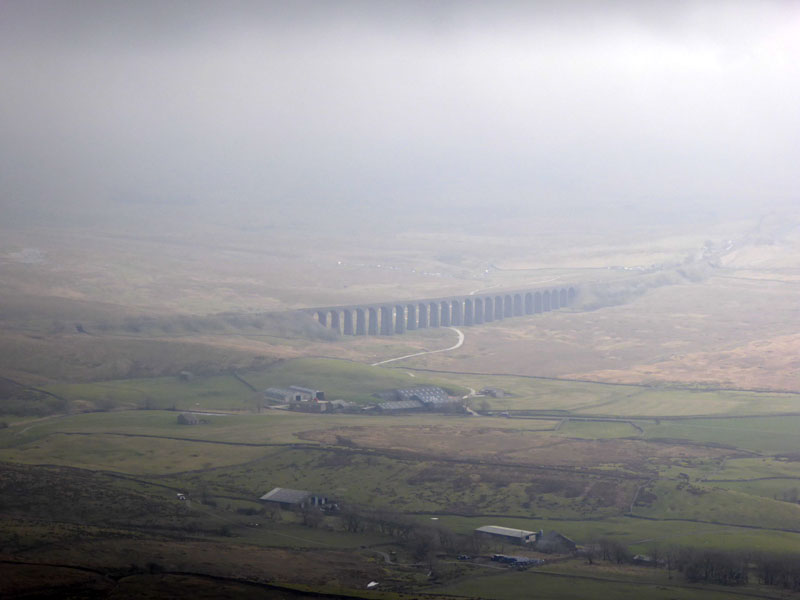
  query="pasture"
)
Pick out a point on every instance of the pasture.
point(532, 395)
point(349, 380)
point(637, 481)
point(571, 586)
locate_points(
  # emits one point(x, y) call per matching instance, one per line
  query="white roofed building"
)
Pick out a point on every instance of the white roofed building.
point(288, 498)
point(508, 534)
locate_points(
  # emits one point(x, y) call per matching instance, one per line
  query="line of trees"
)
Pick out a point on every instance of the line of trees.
point(780, 570)
point(719, 567)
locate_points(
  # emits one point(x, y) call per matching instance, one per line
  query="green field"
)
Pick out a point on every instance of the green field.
point(757, 434)
point(351, 381)
point(127, 454)
point(641, 535)
point(625, 401)
point(222, 392)
point(650, 481)
point(348, 380)
point(554, 586)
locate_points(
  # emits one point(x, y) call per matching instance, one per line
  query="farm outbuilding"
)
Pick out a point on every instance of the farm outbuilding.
point(426, 396)
point(278, 394)
point(190, 419)
point(399, 405)
point(341, 405)
point(306, 394)
point(553, 542)
point(294, 393)
point(508, 534)
point(288, 498)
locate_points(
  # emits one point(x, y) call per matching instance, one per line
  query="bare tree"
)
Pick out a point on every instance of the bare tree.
point(311, 516)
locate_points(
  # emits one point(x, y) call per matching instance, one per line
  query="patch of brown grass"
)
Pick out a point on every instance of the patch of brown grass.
point(726, 332)
point(513, 446)
point(772, 364)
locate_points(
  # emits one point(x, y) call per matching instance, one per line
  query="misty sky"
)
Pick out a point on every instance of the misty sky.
point(288, 105)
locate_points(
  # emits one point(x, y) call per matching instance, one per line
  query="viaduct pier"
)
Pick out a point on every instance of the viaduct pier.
point(390, 318)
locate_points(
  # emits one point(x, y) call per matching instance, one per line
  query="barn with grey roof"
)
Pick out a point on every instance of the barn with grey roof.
point(414, 398)
point(509, 534)
point(289, 498)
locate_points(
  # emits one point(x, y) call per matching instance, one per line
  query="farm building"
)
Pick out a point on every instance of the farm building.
point(553, 542)
point(494, 392)
point(428, 396)
point(399, 405)
point(308, 407)
point(190, 419)
point(507, 534)
point(307, 393)
point(294, 393)
point(278, 394)
point(323, 406)
point(288, 498)
point(340, 405)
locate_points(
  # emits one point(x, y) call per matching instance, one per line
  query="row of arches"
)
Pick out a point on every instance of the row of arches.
point(397, 318)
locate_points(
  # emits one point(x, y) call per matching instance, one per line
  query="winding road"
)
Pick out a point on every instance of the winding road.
point(457, 345)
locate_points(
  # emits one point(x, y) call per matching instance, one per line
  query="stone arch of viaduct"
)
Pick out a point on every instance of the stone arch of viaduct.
point(389, 318)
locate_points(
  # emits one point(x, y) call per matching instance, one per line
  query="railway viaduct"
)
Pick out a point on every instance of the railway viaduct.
point(389, 318)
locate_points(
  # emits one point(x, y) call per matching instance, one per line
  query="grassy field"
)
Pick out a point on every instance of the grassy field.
point(607, 399)
point(641, 535)
point(678, 500)
point(129, 455)
point(266, 428)
point(351, 381)
point(365, 471)
point(590, 583)
point(223, 392)
point(348, 380)
point(642, 465)
point(660, 337)
point(768, 435)
point(579, 477)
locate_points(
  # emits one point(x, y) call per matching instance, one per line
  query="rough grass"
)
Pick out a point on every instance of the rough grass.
point(75, 357)
point(774, 489)
point(477, 440)
point(641, 534)
point(769, 434)
point(271, 427)
point(757, 468)
point(520, 586)
point(597, 429)
point(660, 337)
point(222, 392)
point(362, 470)
point(705, 502)
point(129, 455)
point(418, 485)
point(267, 427)
point(607, 399)
point(82, 497)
